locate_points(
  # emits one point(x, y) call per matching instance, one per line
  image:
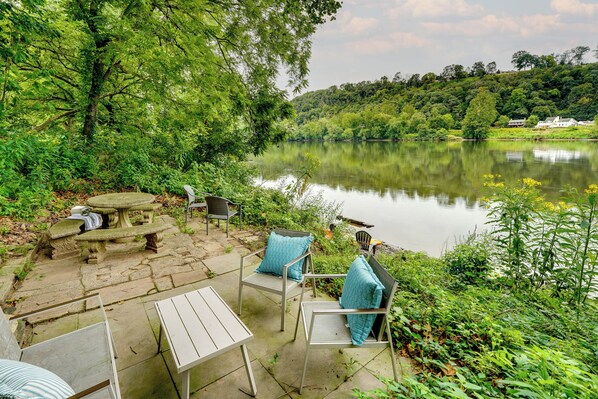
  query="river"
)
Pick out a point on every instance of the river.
point(426, 196)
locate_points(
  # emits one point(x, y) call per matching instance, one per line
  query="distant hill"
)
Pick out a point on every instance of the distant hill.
point(426, 107)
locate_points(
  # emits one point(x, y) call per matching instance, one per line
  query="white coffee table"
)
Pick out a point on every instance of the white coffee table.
point(199, 326)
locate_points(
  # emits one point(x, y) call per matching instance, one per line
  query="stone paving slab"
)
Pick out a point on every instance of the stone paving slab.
point(188, 277)
point(124, 291)
point(131, 279)
point(224, 263)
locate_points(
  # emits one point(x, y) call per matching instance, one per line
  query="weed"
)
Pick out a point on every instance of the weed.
point(229, 248)
point(22, 272)
point(212, 274)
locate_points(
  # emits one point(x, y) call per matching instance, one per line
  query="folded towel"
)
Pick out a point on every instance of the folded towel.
point(80, 210)
point(92, 220)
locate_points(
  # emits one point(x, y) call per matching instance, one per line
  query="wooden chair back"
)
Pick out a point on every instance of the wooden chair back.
point(364, 239)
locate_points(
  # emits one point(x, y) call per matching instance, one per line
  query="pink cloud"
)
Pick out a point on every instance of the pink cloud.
point(574, 7)
point(435, 8)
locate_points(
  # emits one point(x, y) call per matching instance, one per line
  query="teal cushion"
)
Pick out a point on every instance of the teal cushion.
point(281, 250)
point(362, 290)
point(20, 380)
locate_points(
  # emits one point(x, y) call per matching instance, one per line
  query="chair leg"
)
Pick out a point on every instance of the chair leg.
point(227, 228)
point(392, 351)
point(207, 222)
point(304, 369)
point(284, 309)
point(186, 215)
point(240, 301)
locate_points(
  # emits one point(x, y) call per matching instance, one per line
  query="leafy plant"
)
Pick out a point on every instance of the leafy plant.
point(469, 261)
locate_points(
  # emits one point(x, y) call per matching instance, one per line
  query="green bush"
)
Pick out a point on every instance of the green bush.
point(469, 261)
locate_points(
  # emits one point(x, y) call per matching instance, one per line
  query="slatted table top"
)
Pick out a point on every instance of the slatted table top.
point(199, 325)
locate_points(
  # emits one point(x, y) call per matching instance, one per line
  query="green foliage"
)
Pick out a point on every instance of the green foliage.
point(395, 109)
point(532, 121)
point(545, 245)
point(469, 261)
point(480, 115)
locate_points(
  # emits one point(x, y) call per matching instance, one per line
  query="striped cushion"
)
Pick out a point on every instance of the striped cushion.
point(20, 380)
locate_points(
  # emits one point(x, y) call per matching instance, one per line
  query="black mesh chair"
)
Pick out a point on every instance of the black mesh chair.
point(219, 208)
point(192, 202)
point(364, 239)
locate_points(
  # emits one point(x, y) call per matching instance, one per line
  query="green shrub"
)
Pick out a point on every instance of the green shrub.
point(469, 261)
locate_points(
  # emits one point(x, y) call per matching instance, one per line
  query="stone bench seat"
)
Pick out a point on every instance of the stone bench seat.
point(111, 215)
point(61, 237)
point(97, 239)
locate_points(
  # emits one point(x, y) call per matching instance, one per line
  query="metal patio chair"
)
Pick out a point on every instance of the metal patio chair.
point(325, 322)
point(279, 285)
point(191, 202)
point(219, 208)
point(83, 358)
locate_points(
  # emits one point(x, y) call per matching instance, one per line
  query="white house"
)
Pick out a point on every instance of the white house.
point(556, 121)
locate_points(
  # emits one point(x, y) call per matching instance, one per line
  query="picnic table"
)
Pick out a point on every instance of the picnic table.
point(122, 202)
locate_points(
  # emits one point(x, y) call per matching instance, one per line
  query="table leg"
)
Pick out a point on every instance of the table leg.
point(123, 218)
point(160, 338)
point(185, 386)
point(249, 371)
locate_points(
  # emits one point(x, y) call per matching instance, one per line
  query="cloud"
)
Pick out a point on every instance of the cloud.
point(524, 26)
point(387, 44)
point(346, 23)
point(371, 46)
point(408, 40)
point(574, 7)
point(435, 8)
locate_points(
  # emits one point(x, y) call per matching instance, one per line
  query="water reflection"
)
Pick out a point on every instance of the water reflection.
point(423, 196)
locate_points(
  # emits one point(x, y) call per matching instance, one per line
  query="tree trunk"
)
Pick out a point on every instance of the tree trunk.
point(97, 70)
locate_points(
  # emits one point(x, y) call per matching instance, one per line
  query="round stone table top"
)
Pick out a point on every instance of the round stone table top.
point(120, 200)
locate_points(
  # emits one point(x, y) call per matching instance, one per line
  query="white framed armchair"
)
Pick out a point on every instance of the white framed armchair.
point(279, 283)
point(84, 359)
point(326, 323)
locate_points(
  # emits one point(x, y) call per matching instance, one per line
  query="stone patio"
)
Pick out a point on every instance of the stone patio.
point(131, 279)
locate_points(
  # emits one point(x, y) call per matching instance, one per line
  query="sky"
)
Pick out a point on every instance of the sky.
point(374, 38)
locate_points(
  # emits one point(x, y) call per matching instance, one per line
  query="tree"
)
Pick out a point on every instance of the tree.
point(453, 71)
point(502, 121)
point(532, 121)
point(193, 71)
point(478, 69)
point(578, 53)
point(480, 115)
point(523, 59)
point(491, 68)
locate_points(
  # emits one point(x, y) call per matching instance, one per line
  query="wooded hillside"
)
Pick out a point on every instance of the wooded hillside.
point(426, 107)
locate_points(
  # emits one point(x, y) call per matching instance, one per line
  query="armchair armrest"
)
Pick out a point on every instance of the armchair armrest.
point(297, 259)
point(91, 390)
point(252, 254)
point(59, 305)
point(311, 275)
point(348, 311)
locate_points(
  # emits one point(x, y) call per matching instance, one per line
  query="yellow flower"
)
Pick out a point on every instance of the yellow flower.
point(592, 189)
point(528, 181)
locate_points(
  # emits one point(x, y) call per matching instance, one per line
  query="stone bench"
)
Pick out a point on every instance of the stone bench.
point(61, 237)
point(97, 239)
point(110, 215)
